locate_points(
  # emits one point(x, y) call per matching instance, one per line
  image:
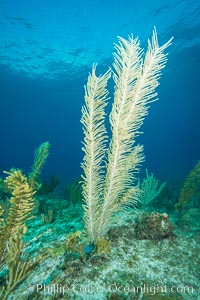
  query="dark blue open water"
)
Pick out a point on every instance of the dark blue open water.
point(46, 51)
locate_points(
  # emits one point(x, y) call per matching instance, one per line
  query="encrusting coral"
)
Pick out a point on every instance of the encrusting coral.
point(109, 173)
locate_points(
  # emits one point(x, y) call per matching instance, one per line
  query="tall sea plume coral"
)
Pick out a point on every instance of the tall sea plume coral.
point(109, 173)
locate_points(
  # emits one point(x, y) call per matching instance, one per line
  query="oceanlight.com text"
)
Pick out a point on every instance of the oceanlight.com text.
point(113, 287)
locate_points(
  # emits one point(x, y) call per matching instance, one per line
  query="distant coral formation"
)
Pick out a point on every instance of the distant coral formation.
point(190, 186)
point(41, 155)
point(149, 189)
point(188, 202)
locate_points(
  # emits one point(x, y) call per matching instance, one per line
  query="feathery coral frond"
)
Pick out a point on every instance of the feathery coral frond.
point(93, 119)
point(135, 83)
point(22, 201)
point(149, 188)
point(22, 205)
point(41, 154)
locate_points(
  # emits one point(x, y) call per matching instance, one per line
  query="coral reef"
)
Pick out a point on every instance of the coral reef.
point(150, 252)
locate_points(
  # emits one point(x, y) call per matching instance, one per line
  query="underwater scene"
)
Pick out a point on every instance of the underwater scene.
point(100, 150)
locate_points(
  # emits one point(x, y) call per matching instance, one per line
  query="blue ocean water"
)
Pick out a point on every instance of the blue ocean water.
point(47, 49)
